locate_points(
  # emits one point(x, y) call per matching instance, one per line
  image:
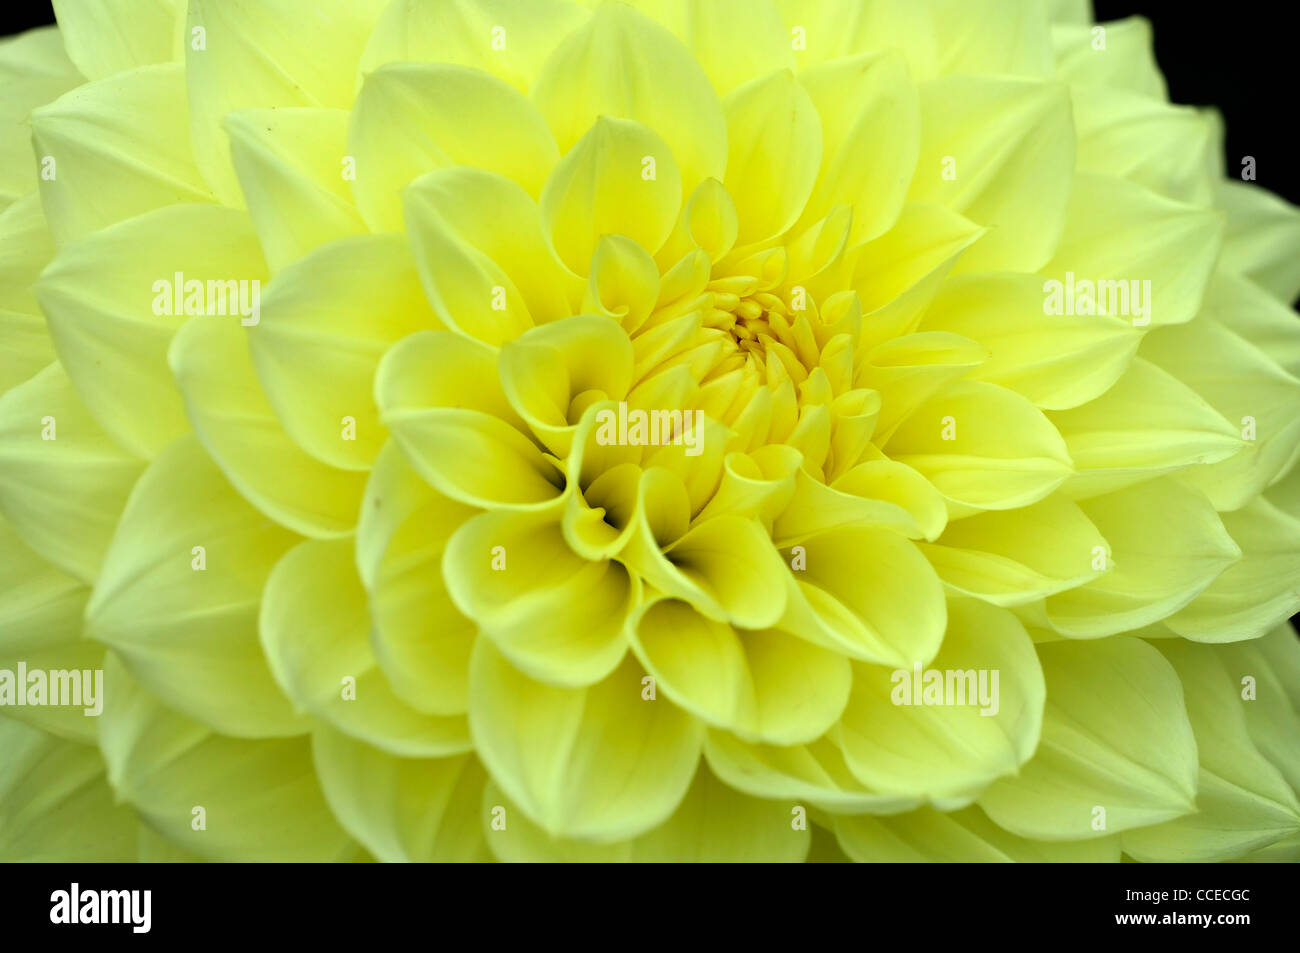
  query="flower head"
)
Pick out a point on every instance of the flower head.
point(631, 431)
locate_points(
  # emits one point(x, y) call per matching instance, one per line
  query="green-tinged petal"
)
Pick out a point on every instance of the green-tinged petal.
point(1118, 232)
point(1013, 557)
point(1164, 545)
point(1244, 383)
point(116, 299)
point(1263, 238)
point(1150, 423)
point(813, 774)
point(40, 625)
point(326, 321)
point(248, 55)
point(983, 447)
point(419, 638)
point(120, 148)
point(320, 654)
point(178, 596)
point(411, 118)
point(154, 848)
point(1117, 751)
point(238, 428)
point(866, 592)
point(831, 29)
point(1127, 60)
point(402, 809)
point(1243, 801)
point(1019, 45)
point(508, 39)
point(104, 37)
point(1271, 715)
point(983, 724)
point(55, 804)
point(1057, 361)
point(622, 65)
point(35, 71)
point(223, 799)
point(963, 837)
point(1165, 148)
point(602, 762)
point(63, 482)
point(762, 685)
point(291, 173)
point(25, 249)
point(774, 154)
point(999, 151)
point(554, 615)
point(713, 824)
point(1282, 650)
point(1255, 593)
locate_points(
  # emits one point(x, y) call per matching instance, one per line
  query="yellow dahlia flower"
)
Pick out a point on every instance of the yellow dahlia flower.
point(662, 430)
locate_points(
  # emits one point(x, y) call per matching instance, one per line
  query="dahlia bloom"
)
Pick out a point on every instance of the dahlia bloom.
point(474, 429)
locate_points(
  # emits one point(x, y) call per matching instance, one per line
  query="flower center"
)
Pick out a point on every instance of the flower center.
point(762, 326)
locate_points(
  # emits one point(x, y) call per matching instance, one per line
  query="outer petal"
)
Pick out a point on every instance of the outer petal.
point(1012, 142)
point(111, 301)
point(414, 117)
point(1165, 544)
point(61, 495)
point(189, 634)
point(948, 753)
point(402, 809)
point(237, 427)
point(260, 798)
point(1115, 736)
point(40, 624)
point(420, 639)
point(256, 53)
point(598, 763)
point(320, 653)
point(52, 795)
point(98, 43)
point(968, 836)
point(326, 321)
point(508, 39)
point(1116, 230)
point(983, 447)
point(289, 168)
point(121, 148)
point(1243, 802)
